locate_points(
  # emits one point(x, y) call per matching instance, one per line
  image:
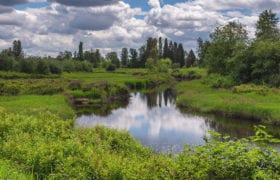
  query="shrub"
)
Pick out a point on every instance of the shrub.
point(55, 68)
point(42, 67)
point(75, 85)
point(219, 81)
point(27, 66)
point(247, 88)
point(68, 66)
point(110, 67)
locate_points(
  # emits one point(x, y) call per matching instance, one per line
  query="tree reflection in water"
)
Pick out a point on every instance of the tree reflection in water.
point(154, 119)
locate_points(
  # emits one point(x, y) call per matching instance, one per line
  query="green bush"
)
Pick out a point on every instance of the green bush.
point(42, 67)
point(75, 85)
point(83, 66)
point(51, 148)
point(110, 67)
point(188, 75)
point(219, 81)
point(228, 160)
point(27, 66)
point(8, 89)
point(68, 66)
point(247, 88)
point(55, 68)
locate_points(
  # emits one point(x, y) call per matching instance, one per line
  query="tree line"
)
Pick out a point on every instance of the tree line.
point(232, 54)
point(149, 54)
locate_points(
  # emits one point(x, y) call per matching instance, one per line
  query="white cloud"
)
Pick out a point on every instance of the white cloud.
point(154, 3)
point(114, 26)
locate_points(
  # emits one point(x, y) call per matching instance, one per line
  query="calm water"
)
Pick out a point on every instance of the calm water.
point(155, 120)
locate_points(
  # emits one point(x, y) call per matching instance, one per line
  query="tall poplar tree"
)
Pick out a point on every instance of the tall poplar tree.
point(81, 52)
point(124, 57)
point(160, 47)
point(17, 49)
point(165, 48)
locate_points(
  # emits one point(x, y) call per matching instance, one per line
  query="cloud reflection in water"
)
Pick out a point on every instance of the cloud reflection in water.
point(156, 123)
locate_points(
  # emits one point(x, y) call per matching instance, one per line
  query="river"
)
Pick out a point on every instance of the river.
point(154, 120)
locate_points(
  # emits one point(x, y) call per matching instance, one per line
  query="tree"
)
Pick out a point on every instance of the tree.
point(81, 52)
point(17, 49)
point(266, 65)
point(152, 49)
point(124, 57)
point(42, 67)
point(6, 62)
point(27, 66)
point(133, 58)
point(160, 48)
point(93, 57)
point(170, 54)
point(113, 58)
point(226, 42)
point(266, 27)
point(66, 55)
point(98, 57)
point(165, 48)
point(181, 55)
point(190, 59)
point(201, 51)
point(142, 56)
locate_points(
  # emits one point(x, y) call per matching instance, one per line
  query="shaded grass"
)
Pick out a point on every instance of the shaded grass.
point(251, 105)
point(34, 104)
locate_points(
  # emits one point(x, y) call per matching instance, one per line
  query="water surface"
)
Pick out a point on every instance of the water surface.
point(154, 119)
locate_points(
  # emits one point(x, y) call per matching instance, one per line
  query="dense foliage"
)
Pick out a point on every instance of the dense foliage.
point(49, 147)
point(230, 52)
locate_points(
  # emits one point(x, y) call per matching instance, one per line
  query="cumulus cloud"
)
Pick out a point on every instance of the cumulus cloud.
point(113, 24)
point(154, 3)
point(85, 3)
point(239, 4)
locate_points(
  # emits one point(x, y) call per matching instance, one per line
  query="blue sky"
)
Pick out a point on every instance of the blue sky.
point(47, 27)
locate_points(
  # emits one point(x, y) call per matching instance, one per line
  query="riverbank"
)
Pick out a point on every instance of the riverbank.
point(258, 103)
point(45, 146)
point(250, 104)
point(38, 138)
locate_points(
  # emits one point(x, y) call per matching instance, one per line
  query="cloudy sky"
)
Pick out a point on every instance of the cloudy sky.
point(46, 27)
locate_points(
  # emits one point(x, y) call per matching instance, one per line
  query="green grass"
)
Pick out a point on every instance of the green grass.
point(199, 96)
point(120, 76)
point(34, 104)
point(9, 171)
point(37, 138)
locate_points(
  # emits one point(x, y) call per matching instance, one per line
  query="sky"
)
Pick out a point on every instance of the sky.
point(47, 27)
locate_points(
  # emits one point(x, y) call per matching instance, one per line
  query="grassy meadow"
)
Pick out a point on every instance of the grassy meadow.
point(245, 101)
point(39, 140)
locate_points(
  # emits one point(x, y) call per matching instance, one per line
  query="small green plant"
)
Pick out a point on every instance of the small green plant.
point(262, 137)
